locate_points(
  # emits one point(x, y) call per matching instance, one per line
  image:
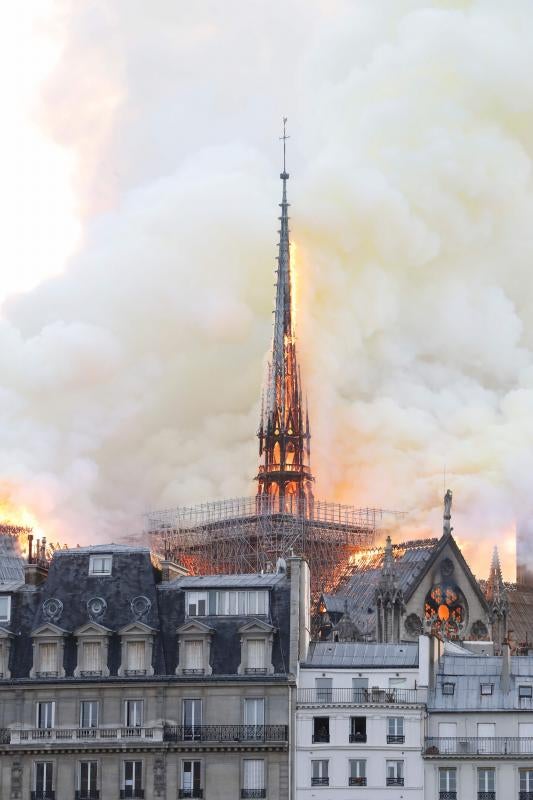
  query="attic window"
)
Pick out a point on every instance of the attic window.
point(525, 691)
point(5, 608)
point(100, 565)
point(486, 688)
point(448, 688)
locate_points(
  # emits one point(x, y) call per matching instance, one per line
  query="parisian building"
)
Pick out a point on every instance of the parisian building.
point(121, 678)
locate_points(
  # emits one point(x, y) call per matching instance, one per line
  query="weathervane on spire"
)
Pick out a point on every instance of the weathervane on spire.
point(284, 138)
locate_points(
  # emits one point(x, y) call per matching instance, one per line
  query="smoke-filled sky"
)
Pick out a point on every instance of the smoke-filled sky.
point(140, 197)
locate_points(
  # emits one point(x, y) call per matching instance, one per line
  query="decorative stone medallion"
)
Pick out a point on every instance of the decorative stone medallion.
point(96, 607)
point(52, 609)
point(140, 606)
point(413, 625)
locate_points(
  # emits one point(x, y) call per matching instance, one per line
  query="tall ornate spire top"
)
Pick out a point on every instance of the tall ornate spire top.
point(447, 527)
point(284, 477)
point(495, 589)
point(387, 570)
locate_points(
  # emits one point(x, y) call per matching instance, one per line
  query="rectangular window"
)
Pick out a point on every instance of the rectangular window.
point(135, 658)
point(324, 690)
point(197, 604)
point(243, 603)
point(194, 656)
point(133, 779)
point(357, 775)
point(447, 780)
point(100, 565)
point(89, 714)
point(91, 654)
point(254, 716)
point(45, 714)
point(191, 779)
point(448, 688)
point(320, 729)
point(256, 655)
point(485, 780)
point(192, 718)
point(133, 713)
point(320, 772)
point(394, 773)
point(395, 730)
point(44, 780)
point(48, 659)
point(526, 780)
point(5, 608)
point(525, 691)
point(357, 730)
point(360, 690)
point(253, 778)
point(486, 688)
point(88, 780)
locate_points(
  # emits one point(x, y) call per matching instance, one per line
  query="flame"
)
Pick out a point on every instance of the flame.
point(20, 517)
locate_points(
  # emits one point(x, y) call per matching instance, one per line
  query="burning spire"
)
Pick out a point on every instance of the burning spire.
point(284, 475)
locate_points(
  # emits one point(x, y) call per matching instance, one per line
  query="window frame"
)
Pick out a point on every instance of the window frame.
point(199, 597)
point(52, 705)
point(6, 619)
point(47, 763)
point(489, 774)
point(449, 772)
point(322, 776)
point(483, 687)
point(528, 694)
point(194, 786)
point(90, 788)
point(137, 792)
point(448, 688)
point(357, 776)
point(243, 779)
point(96, 704)
point(104, 557)
point(135, 703)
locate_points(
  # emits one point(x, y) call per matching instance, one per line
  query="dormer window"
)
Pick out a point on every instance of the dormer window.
point(100, 565)
point(486, 688)
point(5, 608)
point(48, 649)
point(256, 648)
point(5, 649)
point(525, 690)
point(92, 640)
point(137, 644)
point(194, 648)
point(197, 604)
point(448, 688)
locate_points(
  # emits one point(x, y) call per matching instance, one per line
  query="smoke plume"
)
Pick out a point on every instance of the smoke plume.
point(132, 379)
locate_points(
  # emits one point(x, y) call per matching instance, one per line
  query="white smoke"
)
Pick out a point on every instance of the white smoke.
point(133, 379)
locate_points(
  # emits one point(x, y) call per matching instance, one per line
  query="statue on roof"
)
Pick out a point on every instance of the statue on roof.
point(447, 528)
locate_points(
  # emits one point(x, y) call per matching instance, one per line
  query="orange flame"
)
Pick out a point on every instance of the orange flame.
point(20, 517)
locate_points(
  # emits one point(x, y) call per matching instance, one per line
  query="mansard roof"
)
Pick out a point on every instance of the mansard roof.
point(360, 654)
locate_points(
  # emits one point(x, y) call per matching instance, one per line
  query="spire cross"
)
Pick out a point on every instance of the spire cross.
point(284, 140)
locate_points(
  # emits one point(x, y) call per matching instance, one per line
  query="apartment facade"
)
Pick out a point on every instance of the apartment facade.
point(480, 727)
point(122, 681)
point(360, 721)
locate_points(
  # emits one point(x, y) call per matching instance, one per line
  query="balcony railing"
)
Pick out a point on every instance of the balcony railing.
point(357, 738)
point(60, 735)
point(319, 781)
point(320, 738)
point(195, 793)
point(253, 793)
point(347, 696)
point(90, 794)
point(395, 781)
point(43, 795)
point(393, 739)
point(131, 794)
point(356, 781)
point(226, 733)
point(527, 795)
point(486, 796)
point(447, 795)
point(478, 746)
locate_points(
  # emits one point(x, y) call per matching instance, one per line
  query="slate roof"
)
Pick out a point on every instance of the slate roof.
point(11, 563)
point(256, 580)
point(467, 672)
point(360, 654)
point(133, 575)
point(521, 613)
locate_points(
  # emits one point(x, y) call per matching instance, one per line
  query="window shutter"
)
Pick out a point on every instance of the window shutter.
point(256, 654)
point(254, 774)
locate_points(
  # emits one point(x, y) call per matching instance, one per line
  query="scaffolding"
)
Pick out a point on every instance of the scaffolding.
point(246, 534)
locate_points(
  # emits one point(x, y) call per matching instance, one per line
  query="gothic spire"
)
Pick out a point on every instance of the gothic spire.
point(495, 589)
point(284, 477)
point(447, 516)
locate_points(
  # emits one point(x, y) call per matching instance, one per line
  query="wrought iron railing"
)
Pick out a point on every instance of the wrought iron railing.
point(478, 746)
point(131, 794)
point(356, 781)
point(393, 739)
point(525, 795)
point(395, 781)
point(357, 738)
point(195, 792)
point(253, 793)
point(226, 733)
point(486, 796)
point(326, 697)
point(43, 795)
point(5, 736)
point(320, 738)
point(447, 795)
point(90, 794)
point(319, 781)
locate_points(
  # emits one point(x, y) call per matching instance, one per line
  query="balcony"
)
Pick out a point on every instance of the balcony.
point(226, 733)
point(528, 795)
point(253, 793)
point(356, 781)
point(447, 795)
point(395, 781)
point(357, 738)
point(439, 747)
point(72, 735)
point(131, 794)
point(486, 796)
point(395, 739)
point(320, 738)
point(354, 697)
point(196, 792)
point(43, 795)
point(319, 781)
point(91, 794)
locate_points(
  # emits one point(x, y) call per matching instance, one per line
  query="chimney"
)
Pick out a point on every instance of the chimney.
point(300, 610)
point(505, 677)
point(170, 570)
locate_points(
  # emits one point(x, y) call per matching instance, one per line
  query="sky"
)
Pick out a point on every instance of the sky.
point(140, 162)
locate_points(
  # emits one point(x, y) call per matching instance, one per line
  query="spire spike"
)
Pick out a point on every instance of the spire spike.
point(447, 516)
point(284, 471)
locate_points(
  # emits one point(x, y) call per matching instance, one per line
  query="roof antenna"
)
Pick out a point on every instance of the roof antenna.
point(284, 139)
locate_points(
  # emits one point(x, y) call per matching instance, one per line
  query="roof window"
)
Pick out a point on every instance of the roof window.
point(486, 688)
point(5, 608)
point(448, 688)
point(100, 565)
point(526, 690)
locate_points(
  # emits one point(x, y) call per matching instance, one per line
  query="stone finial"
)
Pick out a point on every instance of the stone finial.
point(447, 527)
